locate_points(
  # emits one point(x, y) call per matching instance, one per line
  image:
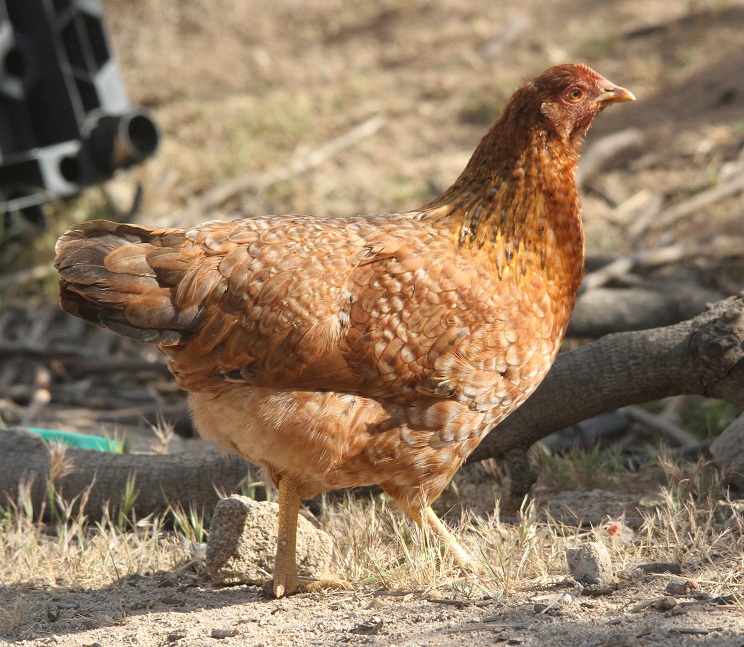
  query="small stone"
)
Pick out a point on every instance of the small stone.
point(661, 567)
point(590, 563)
point(173, 638)
point(556, 606)
point(667, 603)
point(221, 634)
point(370, 628)
point(599, 590)
point(173, 601)
point(242, 542)
point(682, 587)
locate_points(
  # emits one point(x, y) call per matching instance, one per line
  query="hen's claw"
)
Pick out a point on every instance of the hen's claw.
point(274, 589)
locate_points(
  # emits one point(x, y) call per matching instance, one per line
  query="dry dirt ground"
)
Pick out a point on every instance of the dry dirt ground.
point(173, 609)
point(253, 86)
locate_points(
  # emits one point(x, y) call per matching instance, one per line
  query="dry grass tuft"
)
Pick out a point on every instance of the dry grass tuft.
point(376, 546)
point(72, 551)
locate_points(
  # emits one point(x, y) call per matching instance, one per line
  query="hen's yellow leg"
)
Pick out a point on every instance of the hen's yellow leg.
point(431, 520)
point(285, 580)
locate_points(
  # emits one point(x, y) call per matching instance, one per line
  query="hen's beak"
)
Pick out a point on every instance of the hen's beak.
point(616, 94)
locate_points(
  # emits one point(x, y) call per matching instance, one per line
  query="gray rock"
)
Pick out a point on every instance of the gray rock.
point(728, 453)
point(590, 563)
point(242, 542)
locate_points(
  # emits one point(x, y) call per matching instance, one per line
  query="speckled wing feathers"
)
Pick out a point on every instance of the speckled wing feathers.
point(357, 305)
point(354, 305)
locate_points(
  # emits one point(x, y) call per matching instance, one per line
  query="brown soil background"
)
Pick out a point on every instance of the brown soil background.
point(248, 86)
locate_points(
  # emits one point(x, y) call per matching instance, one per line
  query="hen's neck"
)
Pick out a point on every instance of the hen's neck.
point(516, 202)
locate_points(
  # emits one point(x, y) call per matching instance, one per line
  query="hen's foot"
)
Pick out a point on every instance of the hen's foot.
point(277, 588)
point(429, 520)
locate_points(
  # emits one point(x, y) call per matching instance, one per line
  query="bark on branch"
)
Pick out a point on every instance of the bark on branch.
point(190, 478)
point(603, 311)
point(704, 355)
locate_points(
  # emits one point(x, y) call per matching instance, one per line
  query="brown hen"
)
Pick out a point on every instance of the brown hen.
point(338, 352)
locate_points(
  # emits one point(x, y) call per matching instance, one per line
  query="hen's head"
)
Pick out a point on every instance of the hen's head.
point(570, 96)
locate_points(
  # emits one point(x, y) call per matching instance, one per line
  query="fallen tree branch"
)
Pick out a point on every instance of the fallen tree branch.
point(185, 478)
point(603, 311)
point(704, 356)
point(641, 208)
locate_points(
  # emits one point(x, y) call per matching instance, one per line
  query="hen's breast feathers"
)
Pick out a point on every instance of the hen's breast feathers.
point(382, 307)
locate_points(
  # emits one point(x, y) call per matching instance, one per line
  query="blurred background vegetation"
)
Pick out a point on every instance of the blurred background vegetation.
point(252, 87)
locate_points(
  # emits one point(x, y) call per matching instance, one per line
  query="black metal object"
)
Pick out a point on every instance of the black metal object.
point(65, 120)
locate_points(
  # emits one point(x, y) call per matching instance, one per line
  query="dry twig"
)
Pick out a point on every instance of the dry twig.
point(261, 181)
point(606, 150)
point(672, 215)
point(668, 430)
point(661, 256)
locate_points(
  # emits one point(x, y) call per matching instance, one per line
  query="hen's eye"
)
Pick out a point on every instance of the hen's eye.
point(574, 95)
